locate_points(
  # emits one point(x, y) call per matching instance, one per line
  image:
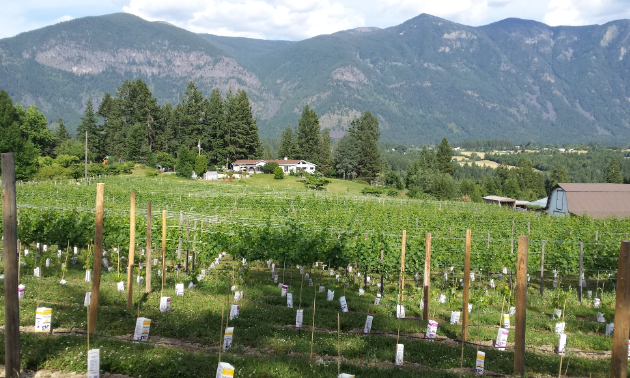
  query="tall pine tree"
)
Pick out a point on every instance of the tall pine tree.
point(217, 141)
point(325, 154)
point(445, 157)
point(89, 125)
point(287, 144)
point(308, 136)
point(366, 132)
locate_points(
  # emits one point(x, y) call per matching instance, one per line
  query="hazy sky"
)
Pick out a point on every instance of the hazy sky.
point(300, 19)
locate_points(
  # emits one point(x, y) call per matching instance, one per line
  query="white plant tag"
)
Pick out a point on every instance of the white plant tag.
point(76, 250)
point(361, 292)
point(310, 282)
point(562, 343)
point(512, 310)
point(504, 270)
point(227, 338)
point(560, 327)
point(431, 329)
point(63, 282)
point(289, 300)
point(179, 289)
point(597, 302)
point(120, 286)
point(421, 304)
point(234, 310)
point(43, 317)
point(610, 328)
point(600, 318)
point(332, 272)
point(87, 299)
point(344, 305)
point(47, 263)
point(590, 293)
point(492, 283)
point(442, 298)
point(141, 332)
point(368, 279)
point(472, 276)
point(331, 295)
point(190, 284)
point(377, 300)
point(368, 324)
point(400, 311)
point(322, 289)
point(21, 291)
point(88, 276)
point(502, 337)
point(299, 316)
point(225, 370)
point(337, 277)
point(275, 279)
point(555, 284)
point(301, 270)
point(94, 363)
point(455, 317)
point(284, 290)
point(445, 277)
point(400, 351)
point(506, 321)
point(59, 253)
point(155, 261)
point(481, 361)
point(528, 278)
point(165, 304)
point(36, 272)
point(557, 313)
point(469, 307)
point(306, 276)
point(140, 279)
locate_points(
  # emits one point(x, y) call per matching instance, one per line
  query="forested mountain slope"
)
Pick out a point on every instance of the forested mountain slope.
point(424, 79)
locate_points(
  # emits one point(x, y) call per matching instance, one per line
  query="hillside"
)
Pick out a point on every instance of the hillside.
point(424, 79)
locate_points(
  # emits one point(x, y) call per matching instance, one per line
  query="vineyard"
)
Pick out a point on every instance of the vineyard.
point(349, 245)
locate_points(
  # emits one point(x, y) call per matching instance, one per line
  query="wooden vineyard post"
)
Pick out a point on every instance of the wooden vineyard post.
point(187, 242)
point(427, 276)
point(98, 257)
point(9, 245)
point(132, 249)
point(521, 306)
point(382, 265)
point(580, 273)
point(542, 268)
point(619, 360)
point(466, 288)
point(402, 266)
point(148, 254)
point(163, 249)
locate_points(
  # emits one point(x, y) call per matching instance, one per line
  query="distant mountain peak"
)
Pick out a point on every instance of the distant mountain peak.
point(360, 30)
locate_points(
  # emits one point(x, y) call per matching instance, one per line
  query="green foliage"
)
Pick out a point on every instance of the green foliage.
point(613, 173)
point(201, 164)
point(346, 157)
point(94, 135)
point(315, 181)
point(287, 147)
point(308, 137)
point(270, 168)
point(366, 132)
point(13, 140)
point(278, 173)
point(445, 157)
point(393, 179)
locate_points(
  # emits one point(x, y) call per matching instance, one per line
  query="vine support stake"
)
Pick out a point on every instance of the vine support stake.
point(619, 360)
point(521, 306)
point(466, 287)
point(579, 290)
point(163, 249)
point(147, 258)
point(132, 249)
point(427, 276)
point(11, 303)
point(402, 266)
point(98, 257)
point(542, 268)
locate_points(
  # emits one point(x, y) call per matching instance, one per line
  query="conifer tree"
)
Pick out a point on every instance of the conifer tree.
point(287, 144)
point(89, 124)
point(216, 144)
point(445, 157)
point(325, 156)
point(308, 136)
point(613, 173)
point(366, 131)
point(61, 134)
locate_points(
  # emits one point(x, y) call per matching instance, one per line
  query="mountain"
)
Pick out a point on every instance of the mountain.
point(425, 79)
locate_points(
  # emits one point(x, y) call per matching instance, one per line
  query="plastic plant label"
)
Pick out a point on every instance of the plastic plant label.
point(368, 324)
point(120, 286)
point(481, 361)
point(190, 284)
point(344, 305)
point(500, 277)
point(43, 317)
point(512, 310)
point(47, 263)
point(139, 280)
point(455, 317)
point(238, 295)
point(445, 277)
point(610, 328)
point(600, 318)
point(400, 351)
point(332, 272)
point(590, 293)
point(88, 276)
point(337, 277)
point(25, 252)
point(506, 321)
point(179, 289)
point(504, 270)
point(431, 329)
point(472, 276)
point(597, 302)
point(284, 290)
point(377, 300)
point(165, 304)
point(233, 288)
point(502, 337)
point(322, 289)
point(442, 298)
point(555, 284)
point(562, 343)
point(528, 278)
point(273, 266)
point(557, 313)
point(470, 307)
point(94, 363)
point(59, 253)
point(400, 311)
point(560, 327)
point(378, 285)
point(310, 282)
point(492, 283)
point(234, 310)
point(141, 332)
point(361, 292)
point(275, 279)
point(330, 296)
point(21, 291)
point(301, 270)
point(299, 316)
point(105, 263)
point(36, 272)
point(421, 304)
point(346, 284)
point(306, 276)
point(45, 248)
point(87, 299)
point(227, 338)
point(289, 300)
point(225, 370)
point(63, 282)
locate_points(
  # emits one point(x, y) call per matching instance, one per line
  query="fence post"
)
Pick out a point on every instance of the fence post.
point(466, 287)
point(542, 268)
point(521, 306)
point(98, 256)
point(132, 249)
point(619, 360)
point(163, 248)
point(427, 275)
point(581, 273)
point(402, 266)
point(11, 302)
point(148, 254)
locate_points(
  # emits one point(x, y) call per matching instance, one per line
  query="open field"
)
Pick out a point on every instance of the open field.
point(293, 226)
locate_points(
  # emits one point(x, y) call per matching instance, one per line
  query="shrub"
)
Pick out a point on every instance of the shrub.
point(372, 190)
point(152, 173)
point(392, 193)
point(330, 173)
point(278, 173)
point(270, 168)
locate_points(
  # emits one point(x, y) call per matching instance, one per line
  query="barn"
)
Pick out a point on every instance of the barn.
point(595, 200)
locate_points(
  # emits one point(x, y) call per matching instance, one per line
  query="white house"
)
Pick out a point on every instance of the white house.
point(255, 166)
